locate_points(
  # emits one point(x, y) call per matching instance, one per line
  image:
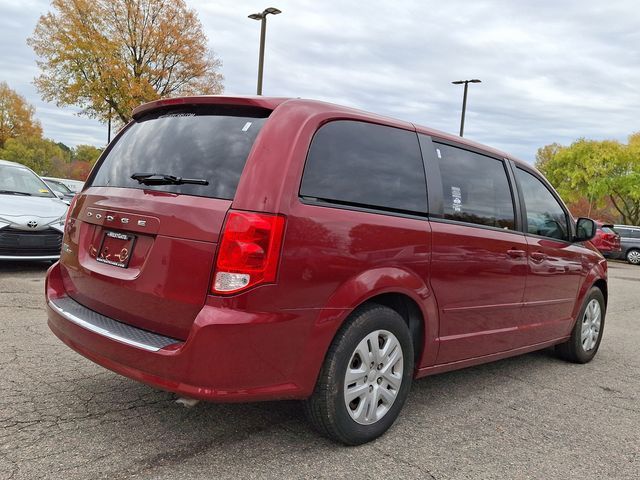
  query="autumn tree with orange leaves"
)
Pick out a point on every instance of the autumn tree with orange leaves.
point(16, 116)
point(116, 54)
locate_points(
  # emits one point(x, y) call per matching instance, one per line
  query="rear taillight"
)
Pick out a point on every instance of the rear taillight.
point(249, 251)
point(69, 210)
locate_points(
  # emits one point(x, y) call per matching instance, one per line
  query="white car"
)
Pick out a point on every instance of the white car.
point(31, 216)
point(63, 192)
point(74, 185)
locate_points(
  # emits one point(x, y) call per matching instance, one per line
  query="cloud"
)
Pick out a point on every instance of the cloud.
point(551, 71)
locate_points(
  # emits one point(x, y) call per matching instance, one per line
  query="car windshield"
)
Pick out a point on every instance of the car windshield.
point(21, 181)
point(58, 187)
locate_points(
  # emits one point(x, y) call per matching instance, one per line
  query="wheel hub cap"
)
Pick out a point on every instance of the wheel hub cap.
point(591, 321)
point(373, 377)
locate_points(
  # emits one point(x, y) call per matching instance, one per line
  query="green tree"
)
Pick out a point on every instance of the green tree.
point(109, 56)
point(86, 153)
point(39, 154)
point(599, 170)
point(547, 153)
point(16, 116)
point(64, 147)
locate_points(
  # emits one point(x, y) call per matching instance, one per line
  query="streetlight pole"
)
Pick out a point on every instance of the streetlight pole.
point(109, 127)
point(464, 99)
point(263, 33)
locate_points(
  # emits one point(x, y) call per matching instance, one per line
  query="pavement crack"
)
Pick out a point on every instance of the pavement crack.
point(404, 461)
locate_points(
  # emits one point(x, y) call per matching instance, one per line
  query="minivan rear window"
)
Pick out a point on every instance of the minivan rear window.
point(201, 142)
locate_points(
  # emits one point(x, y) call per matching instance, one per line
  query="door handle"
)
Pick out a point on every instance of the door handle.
point(538, 256)
point(515, 253)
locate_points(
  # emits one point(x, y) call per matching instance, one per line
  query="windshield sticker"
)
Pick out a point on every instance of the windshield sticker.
point(246, 127)
point(44, 190)
point(438, 152)
point(456, 199)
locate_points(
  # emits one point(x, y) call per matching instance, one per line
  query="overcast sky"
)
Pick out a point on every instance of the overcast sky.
point(551, 71)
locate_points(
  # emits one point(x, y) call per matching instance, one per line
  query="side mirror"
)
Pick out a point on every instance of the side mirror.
point(59, 195)
point(585, 230)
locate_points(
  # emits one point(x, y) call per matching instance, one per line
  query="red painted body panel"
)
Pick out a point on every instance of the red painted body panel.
point(167, 280)
point(480, 294)
point(606, 242)
point(556, 270)
point(479, 287)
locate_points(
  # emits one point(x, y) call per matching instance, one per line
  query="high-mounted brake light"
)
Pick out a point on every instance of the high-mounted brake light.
point(249, 251)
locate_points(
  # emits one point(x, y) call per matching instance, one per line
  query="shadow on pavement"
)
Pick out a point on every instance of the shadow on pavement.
point(20, 266)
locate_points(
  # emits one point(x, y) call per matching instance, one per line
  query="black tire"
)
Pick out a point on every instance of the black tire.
point(633, 256)
point(326, 408)
point(573, 349)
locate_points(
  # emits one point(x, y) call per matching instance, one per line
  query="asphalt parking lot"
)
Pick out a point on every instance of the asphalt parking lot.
point(532, 416)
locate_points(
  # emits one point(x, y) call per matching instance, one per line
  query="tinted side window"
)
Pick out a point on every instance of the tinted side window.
point(365, 164)
point(475, 188)
point(545, 216)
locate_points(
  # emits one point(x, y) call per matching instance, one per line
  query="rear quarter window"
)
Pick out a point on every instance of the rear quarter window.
point(204, 142)
point(364, 164)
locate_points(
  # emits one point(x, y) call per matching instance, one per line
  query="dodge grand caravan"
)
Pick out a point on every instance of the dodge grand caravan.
point(244, 249)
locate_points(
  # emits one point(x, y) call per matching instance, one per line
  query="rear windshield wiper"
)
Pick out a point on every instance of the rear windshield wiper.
point(162, 179)
point(13, 192)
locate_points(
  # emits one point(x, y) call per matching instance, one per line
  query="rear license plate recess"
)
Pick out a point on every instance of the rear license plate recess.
point(116, 248)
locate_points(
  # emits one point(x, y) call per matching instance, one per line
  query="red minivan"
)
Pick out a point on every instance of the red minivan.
point(242, 249)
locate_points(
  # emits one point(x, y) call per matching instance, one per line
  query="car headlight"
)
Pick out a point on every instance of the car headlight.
point(59, 221)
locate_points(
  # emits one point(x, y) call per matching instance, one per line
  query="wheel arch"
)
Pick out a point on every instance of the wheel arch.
point(400, 289)
point(602, 285)
point(410, 312)
point(597, 277)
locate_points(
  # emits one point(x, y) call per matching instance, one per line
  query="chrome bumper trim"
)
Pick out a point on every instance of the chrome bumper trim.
point(27, 258)
point(108, 327)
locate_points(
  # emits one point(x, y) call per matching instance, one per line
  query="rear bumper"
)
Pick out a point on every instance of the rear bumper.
point(74, 312)
point(229, 355)
point(29, 258)
point(608, 249)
